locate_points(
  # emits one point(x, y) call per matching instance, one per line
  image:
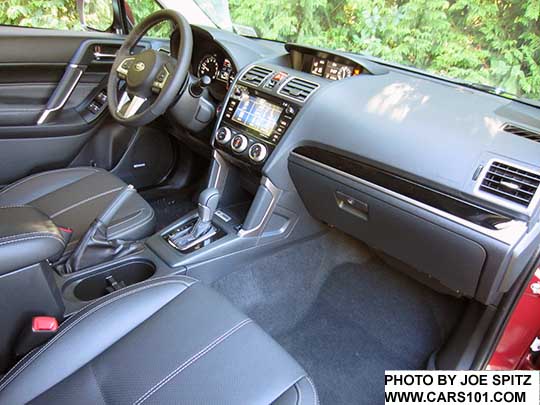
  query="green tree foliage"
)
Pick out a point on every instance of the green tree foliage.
point(59, 14)
point(495, 42)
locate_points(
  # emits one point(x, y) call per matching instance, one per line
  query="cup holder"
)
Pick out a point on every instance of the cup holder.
point(124, 275)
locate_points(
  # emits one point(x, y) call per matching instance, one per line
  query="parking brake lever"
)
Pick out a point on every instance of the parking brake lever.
point(95, 247)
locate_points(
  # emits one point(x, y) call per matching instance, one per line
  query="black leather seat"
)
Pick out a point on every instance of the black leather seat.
point(171, 340)
point(74, 197)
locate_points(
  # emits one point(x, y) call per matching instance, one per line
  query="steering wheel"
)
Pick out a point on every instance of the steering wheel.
point(153, 79)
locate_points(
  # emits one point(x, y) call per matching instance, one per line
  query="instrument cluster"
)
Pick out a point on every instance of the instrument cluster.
point(212, 61)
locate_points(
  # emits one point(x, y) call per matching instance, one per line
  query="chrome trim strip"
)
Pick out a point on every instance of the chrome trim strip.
point(45, 114)
point(510, 234)
point(275, 195)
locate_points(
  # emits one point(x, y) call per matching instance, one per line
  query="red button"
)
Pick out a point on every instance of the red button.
point(278, 76)
point(44, 324)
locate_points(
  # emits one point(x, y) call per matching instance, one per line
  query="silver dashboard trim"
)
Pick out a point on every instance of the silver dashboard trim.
point(267, 183)
point(510, 234)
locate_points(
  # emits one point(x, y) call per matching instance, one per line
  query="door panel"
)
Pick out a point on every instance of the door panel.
point(34, 75)
point(53, 114)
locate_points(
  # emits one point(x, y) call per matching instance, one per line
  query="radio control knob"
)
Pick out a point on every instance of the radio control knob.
point(223, 135)
point(258, 152)
point(290, 110)
point(239, 143)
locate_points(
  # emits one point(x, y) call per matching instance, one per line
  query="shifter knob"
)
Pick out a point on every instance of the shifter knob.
point(208, 202)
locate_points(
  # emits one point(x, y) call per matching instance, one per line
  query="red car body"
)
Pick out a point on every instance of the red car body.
point(514, 351)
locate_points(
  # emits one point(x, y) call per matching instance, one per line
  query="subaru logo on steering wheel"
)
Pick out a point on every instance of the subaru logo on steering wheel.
point(139, 66)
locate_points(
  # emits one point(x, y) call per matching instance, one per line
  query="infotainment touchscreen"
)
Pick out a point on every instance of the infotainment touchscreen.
point(258, 114)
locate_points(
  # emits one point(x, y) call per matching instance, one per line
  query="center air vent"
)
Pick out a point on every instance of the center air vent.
point(256, 75)
point(524, 133)
point(510, 183)
point(298, 89)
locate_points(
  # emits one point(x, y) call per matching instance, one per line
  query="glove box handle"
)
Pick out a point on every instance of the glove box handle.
point(352, 206)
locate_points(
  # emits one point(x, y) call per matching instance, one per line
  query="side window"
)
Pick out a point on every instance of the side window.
point(57, 14)
point(60, 15)
point(137, 10)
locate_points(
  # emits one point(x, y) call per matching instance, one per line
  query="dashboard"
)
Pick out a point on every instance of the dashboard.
point(443, 178)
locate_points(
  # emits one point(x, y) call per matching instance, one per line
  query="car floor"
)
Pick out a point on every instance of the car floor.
point(343, 314)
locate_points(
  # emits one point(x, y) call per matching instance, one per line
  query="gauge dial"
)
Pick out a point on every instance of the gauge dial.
point(208, 66)
point(344, 72)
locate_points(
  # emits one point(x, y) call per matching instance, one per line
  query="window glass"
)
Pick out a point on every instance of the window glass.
point(56, 14)
point(137, 10)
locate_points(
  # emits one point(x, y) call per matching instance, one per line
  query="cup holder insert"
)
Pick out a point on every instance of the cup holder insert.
point(126, 274)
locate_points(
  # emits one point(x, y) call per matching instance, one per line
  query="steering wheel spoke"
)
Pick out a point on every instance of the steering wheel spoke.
point(128, 105)
point(161, 78)
point(123, 67)
point(143, 85)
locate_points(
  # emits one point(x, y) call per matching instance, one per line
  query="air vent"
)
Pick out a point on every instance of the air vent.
point(524, 133)
point(256, 75)
point(510, 183)
point(298, 89)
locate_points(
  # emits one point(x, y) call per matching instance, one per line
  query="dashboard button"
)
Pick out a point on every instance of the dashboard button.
point(239, 143)
point(258, 152)
point(223, 135)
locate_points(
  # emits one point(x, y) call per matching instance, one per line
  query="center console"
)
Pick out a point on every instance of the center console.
point(253, 122)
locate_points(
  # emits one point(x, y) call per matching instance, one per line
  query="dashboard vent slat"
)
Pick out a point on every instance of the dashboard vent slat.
point(522, 132)
point(510, 183)
point(256, 75)
point(298, 89)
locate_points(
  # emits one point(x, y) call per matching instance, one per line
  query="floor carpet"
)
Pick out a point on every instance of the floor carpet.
point(343, 314)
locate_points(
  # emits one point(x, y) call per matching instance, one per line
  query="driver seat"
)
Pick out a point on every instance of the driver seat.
point(75, 196)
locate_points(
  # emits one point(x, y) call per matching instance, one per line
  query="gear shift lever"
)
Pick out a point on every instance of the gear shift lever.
point(208, 202)
point(202, 228)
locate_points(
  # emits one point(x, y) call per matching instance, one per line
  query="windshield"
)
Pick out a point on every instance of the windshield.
point(495, 43)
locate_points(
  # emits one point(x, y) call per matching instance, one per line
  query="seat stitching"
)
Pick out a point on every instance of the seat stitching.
point(316, 396)
point(191, 360)
point(17, 206)
point(34, 237)
point(64, 210)
point(24, 180)
point(29, 234)
point(139, 212)
point(75, 322)
point(139, 225)
point(97, 382)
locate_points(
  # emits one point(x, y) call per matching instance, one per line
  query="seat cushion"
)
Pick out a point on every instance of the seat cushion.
point(169, 340)
point(74, 197)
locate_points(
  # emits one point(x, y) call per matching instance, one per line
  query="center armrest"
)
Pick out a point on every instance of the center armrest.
point(27, 236)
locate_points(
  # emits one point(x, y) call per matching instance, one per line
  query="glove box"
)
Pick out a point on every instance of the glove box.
point(411, 237)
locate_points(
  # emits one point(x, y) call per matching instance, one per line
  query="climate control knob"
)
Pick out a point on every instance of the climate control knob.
point(223, 135)
point(258, 152)
point(239, 143)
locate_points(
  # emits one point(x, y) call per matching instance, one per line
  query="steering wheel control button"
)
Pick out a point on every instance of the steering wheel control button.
point(223, 135)
point(123, 69)
point(239, 143)
point(258, 152)
point(161, 79)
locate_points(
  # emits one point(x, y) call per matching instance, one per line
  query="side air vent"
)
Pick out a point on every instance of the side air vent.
point(256, 75)
point(298, 89)
point(524, 133)
point(510, 183)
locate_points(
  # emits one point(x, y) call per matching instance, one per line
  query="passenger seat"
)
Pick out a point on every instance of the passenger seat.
point(169, 340)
